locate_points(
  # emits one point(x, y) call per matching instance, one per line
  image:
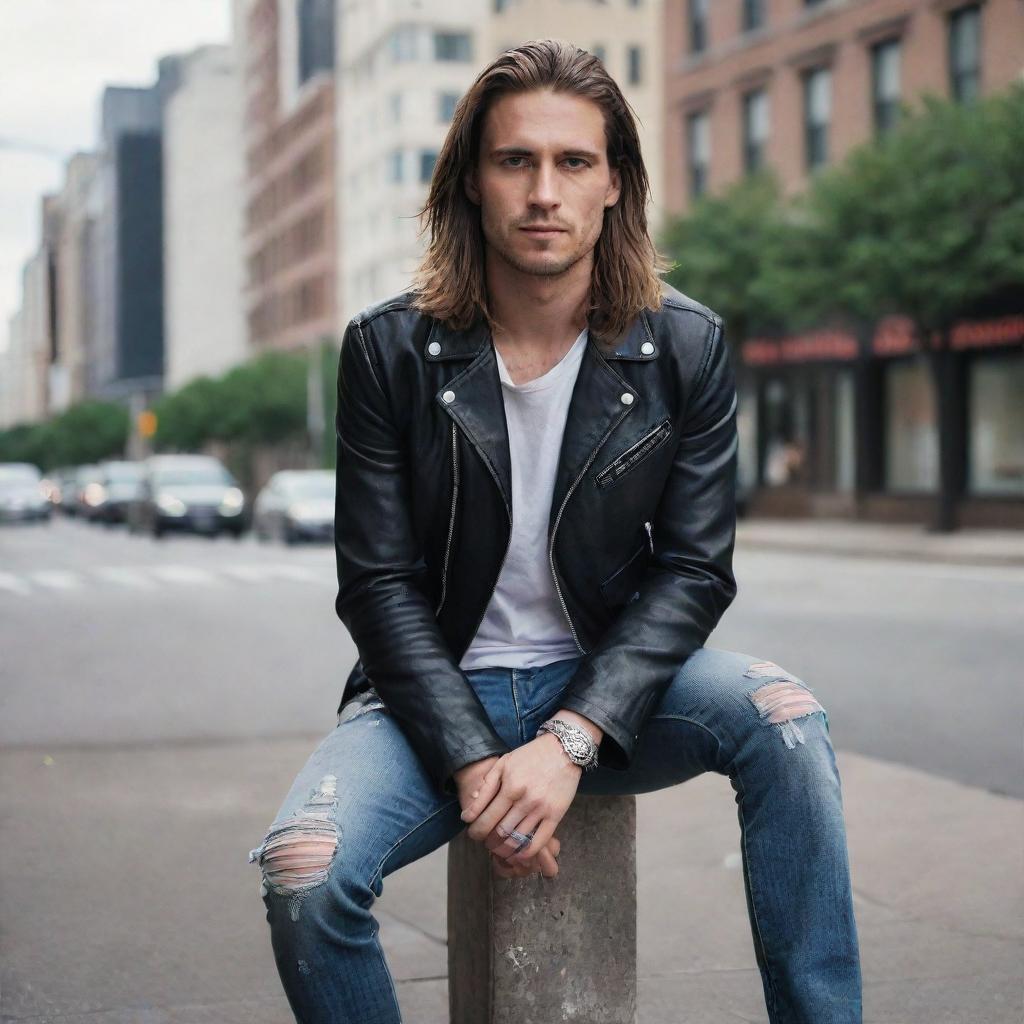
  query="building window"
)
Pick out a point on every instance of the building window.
point(500, 5)
point(395, 107)
point(911, 435)
point(316, 37)
point(698, 25)
point(452, 46)
point(755, 129)
point(403, 43)
point(885, 84)
point(753, 14)
point(965, 53)
point(996, 425)
point(634, 63)
point(817, 115)
point(698, 143)
point(446, 103)
point(598, 51)
point(428, 157)
point(395, 167)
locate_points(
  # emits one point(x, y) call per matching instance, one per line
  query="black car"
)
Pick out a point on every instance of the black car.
point(119, 483)
point(193, 493)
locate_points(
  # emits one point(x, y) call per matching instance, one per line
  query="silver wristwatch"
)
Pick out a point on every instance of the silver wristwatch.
point(575, 740)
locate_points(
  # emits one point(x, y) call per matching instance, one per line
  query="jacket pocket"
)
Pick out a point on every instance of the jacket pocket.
point(621, 585)
point(634, 454)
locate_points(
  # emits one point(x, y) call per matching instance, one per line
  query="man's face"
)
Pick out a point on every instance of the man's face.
point(542, 165)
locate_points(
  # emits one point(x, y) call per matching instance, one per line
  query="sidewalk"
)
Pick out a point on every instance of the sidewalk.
point(882, 540)
point(126, 897)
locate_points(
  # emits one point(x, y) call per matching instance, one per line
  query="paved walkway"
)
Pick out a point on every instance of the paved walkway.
point(883, 540)
point(126, 898)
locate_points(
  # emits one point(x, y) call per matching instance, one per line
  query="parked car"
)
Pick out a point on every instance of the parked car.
point(295, 504)
point(188, 492)
point(85, 491)
point(63, 489)
point(21, 493)
point(119, 483)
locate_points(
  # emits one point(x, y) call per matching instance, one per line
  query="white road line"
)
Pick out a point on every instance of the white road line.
point(247, 573)
point(58, 579)
point(15, 584)
point(301, 574)
point(184, 574)
point(128, 577)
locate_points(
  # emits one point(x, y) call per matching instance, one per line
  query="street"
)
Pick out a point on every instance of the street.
point(117, 639)
point(157, 698)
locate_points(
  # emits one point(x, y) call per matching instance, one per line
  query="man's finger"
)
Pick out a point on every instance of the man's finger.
point(484, 793)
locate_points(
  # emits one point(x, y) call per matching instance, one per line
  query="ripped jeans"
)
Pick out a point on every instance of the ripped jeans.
point(363, 806)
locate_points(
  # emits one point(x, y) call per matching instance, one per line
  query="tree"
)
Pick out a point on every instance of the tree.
point(924, 223)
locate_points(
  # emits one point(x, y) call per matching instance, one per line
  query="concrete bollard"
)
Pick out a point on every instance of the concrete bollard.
point(539, 951)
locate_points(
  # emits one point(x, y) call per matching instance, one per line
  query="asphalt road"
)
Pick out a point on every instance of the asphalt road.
point(111, 639)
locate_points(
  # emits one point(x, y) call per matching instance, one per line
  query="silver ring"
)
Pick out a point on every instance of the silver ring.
point(523, 841)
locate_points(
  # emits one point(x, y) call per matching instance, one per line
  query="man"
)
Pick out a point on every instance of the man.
point(534, 531)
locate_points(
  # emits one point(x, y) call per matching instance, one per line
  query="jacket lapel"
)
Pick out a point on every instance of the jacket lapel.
point(473, 398)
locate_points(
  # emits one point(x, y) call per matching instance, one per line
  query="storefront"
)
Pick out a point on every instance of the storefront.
point(832, 424)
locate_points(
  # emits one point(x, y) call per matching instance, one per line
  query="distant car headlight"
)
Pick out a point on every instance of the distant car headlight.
point(95, 494)
point(232, 502)
point(170, 505)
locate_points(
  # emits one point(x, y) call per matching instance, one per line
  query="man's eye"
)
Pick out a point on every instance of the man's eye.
point(508, 158)
point(580, 162)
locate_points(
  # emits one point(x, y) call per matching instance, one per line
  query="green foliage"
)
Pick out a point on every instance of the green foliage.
point(87, 432)
point(260, 401)
point(928, 219)
point(722, 250)
point(923, 222)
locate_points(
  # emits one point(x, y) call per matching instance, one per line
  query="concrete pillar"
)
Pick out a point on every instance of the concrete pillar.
point(539, 951)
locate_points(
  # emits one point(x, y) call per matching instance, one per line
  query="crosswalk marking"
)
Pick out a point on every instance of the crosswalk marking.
point(128, 577)
point(183, 574)
point(58, 579)
point(13, 583)
point(140, 578)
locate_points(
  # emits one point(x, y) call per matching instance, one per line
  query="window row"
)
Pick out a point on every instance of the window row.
point(399, 170)
point(816, 86)
point(418, 42)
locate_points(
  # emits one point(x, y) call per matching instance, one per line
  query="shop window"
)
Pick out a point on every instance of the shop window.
point(845, 431)
point(785, 421)
point(996, 425)
point(911, 435)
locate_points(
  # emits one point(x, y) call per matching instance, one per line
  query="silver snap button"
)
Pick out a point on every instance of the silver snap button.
point(449, 397)
point(626, 399)
point(434, 348)
point(647, 348)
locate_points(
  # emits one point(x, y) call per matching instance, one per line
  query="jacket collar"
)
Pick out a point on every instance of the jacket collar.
point(600, 400)
point(445, 343)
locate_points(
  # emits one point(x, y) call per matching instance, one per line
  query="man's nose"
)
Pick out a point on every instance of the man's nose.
point(544, 186)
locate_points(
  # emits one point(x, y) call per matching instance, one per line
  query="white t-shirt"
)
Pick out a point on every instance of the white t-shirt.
point(524, 624)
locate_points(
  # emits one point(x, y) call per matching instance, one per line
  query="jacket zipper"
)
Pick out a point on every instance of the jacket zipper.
point(451, 521)
point(554, 530)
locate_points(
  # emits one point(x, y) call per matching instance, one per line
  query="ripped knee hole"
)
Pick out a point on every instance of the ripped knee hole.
point(781, 700)
point(297, 853)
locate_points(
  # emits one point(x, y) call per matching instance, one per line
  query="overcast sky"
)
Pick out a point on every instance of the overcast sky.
point(55, 58)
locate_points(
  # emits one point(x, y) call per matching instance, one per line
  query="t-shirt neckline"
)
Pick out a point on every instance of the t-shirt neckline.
point(550, 376)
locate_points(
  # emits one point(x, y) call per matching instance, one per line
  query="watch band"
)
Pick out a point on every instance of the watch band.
point(575, 740)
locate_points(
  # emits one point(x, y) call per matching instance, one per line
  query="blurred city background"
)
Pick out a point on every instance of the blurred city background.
point(199, 195)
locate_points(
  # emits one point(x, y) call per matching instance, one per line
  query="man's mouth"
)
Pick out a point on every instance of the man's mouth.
point(544, 231)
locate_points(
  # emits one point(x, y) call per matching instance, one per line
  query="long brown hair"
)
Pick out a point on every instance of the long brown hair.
point(450, 283)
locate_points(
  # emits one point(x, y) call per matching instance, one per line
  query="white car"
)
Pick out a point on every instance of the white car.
point(295, 504)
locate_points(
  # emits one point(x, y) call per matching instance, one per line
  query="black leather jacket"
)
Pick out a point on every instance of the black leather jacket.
point(641, 529)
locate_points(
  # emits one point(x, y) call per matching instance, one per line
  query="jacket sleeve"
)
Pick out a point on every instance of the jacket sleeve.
point(689, 581)
point(380, 573)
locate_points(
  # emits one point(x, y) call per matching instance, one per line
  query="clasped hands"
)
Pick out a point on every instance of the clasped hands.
point(528, 789)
